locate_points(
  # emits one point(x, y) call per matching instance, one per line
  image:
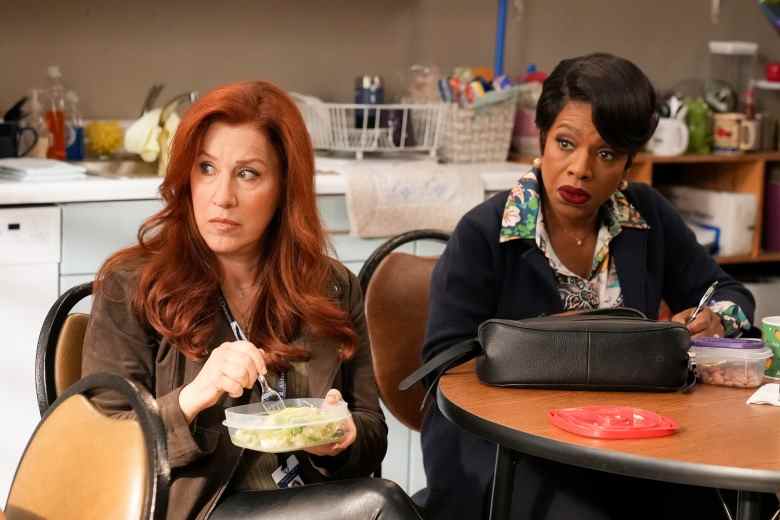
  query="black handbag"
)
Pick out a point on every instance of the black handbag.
point(607, 349)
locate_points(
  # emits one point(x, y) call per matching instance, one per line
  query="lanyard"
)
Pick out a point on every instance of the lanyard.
point(240, 336)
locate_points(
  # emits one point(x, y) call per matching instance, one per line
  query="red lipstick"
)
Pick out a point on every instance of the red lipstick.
point(574, 195)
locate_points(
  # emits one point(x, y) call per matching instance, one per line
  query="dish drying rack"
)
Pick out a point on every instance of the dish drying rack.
point(359, 128)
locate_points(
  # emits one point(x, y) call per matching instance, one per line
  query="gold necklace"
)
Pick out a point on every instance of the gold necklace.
point(579, 241)
point(243, 308)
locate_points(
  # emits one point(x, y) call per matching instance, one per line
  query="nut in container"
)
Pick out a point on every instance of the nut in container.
point(730, 362)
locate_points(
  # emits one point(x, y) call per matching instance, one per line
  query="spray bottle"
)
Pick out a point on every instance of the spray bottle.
point(55, 114)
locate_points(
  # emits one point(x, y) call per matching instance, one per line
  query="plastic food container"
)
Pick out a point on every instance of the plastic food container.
point(304, 423)
point(730, 362)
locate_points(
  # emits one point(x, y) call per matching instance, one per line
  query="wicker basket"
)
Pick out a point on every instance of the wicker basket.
point(479, 134)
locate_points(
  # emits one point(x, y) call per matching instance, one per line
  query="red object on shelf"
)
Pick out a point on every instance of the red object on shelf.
point(612, 422)
point(773, 71)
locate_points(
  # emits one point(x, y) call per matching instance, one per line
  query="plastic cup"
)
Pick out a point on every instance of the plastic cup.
point(770, 331)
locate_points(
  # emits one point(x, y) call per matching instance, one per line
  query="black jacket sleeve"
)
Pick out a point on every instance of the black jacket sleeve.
point(464, 283)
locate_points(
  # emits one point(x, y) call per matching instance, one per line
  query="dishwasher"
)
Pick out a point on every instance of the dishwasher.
point(29, 285)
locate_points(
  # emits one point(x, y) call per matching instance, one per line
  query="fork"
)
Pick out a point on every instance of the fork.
point(269, 398)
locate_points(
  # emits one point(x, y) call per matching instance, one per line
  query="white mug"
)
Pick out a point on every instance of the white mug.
point(750, 134)
point(670, 138)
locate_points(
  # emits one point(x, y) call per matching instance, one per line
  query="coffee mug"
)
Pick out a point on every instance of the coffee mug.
point(770, 332)
point(10, 135)
point(670, 137)
point(749, 134)
point(726, 132)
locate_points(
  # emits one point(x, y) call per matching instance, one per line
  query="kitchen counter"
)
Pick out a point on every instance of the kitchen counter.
point(495, 177)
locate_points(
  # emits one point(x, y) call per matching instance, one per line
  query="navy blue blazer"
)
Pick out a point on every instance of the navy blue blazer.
point(478, 278)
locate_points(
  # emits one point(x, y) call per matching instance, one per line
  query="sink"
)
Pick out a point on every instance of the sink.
point(120, 168)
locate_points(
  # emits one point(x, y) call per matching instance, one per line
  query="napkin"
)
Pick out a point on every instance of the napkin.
point(767, 394)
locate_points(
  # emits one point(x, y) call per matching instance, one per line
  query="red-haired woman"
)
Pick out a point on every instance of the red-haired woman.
point(239, 247)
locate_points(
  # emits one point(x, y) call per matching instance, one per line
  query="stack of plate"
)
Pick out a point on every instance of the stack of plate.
point(30, 169)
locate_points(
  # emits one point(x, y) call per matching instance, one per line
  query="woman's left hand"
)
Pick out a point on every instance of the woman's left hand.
point(707, 323)
point(350, 432)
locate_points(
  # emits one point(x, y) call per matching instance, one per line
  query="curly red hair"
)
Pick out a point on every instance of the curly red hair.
point(178, 275)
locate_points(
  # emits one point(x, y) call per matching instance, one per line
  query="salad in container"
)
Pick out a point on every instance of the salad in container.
point(301, 424)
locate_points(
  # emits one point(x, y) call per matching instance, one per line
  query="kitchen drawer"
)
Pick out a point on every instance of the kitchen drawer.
point(333, 212)
point(417, 480)
point(348, 248)
point(355, 267)
point(69, 281)
point(429, 247)
point(92, 231)
point(395, 465)
point(29, 235)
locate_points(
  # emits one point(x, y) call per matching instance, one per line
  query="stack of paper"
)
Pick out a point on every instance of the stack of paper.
point(29, 169)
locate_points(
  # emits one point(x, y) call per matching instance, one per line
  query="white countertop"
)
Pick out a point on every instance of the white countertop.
point(495, 177)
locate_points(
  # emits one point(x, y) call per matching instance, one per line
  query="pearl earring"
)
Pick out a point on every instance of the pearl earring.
point(623, 185)
point(537, 162)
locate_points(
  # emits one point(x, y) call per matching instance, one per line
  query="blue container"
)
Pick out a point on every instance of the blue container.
point(369, 90)
point(75, 145)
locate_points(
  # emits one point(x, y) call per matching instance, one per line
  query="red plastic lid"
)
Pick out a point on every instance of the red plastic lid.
point(612, 422)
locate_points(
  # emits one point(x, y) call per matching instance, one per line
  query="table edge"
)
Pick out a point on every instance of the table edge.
point(708, 475)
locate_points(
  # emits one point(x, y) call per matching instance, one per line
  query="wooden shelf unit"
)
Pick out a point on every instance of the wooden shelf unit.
point(740, 173)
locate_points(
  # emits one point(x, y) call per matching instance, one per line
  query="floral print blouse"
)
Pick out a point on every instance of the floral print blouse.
point(523, 219)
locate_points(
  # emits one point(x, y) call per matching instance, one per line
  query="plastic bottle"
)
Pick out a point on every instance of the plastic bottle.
point(74, 145)
point(55, 114)
point(37, 121)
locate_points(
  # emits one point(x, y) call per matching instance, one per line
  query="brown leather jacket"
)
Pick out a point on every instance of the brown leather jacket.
point(201, 455)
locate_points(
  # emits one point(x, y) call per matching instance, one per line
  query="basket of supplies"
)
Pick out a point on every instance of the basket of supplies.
point(481, 132)
point(359, 128)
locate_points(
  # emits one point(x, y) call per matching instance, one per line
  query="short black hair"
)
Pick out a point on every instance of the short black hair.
point(622, 99)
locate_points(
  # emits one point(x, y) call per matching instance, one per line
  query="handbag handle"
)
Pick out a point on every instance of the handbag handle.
point(454, 355)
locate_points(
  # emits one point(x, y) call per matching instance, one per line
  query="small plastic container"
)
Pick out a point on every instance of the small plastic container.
point(730, 362)
point(304, 423)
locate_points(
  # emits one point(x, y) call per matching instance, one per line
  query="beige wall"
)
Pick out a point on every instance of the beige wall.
point(110, 51)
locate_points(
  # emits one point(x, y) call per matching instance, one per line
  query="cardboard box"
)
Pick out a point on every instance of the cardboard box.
point(725, 219)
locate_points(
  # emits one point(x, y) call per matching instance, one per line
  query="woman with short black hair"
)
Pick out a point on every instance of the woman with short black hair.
point(572, 235)
point(620, 95)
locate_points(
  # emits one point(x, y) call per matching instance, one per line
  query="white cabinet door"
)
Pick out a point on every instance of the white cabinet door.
point(29, 252)
point(395, 466)
point(417, 479)
point(26, 293)
point(69, 281)
point(92, 231)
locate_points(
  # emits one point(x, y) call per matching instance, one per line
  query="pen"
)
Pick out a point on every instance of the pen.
point(704, 300)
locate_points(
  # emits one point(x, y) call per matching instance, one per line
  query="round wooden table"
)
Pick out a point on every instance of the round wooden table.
point(722, 442)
